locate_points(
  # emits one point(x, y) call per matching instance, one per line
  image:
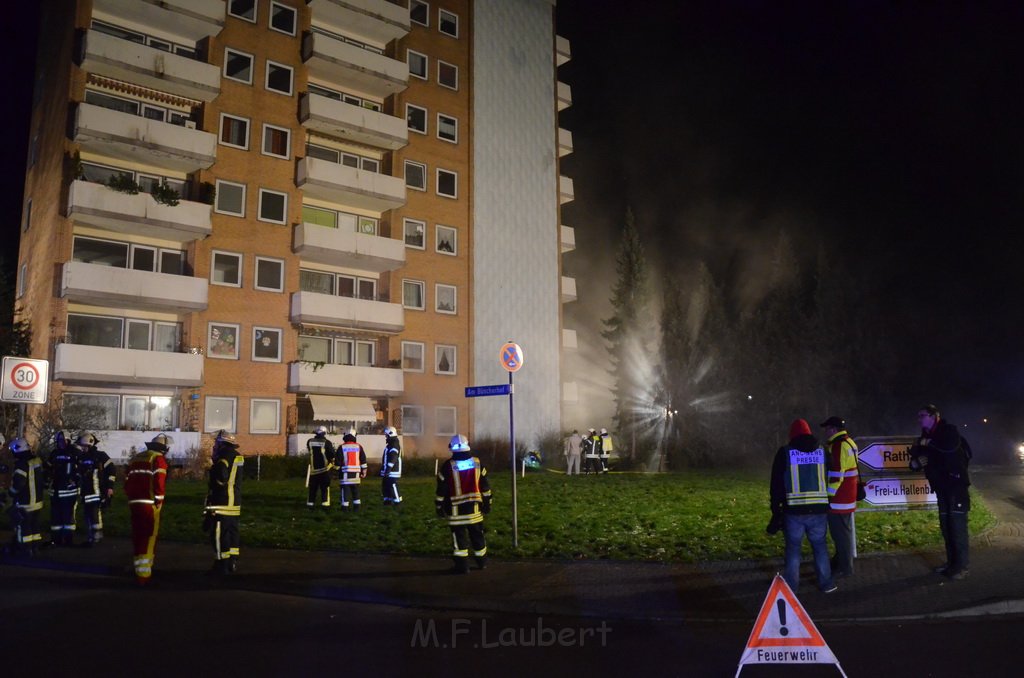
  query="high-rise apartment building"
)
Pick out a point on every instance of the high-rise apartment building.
point(263, 215)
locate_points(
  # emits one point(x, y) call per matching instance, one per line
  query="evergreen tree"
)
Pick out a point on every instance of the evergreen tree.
point(627, 332)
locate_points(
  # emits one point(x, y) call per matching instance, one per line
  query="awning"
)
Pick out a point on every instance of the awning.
point(342, 408)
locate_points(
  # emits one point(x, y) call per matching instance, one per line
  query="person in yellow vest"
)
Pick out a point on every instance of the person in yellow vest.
point(224, 503)
point(463, 497)
point(318, 473)
point(351, 463)
point(799, 493)
point(843, 478)
point(26, 492)
point(606, 450)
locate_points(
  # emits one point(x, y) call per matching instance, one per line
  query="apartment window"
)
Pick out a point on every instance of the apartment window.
point(279, 78)
point(230, 198)
point(27, 222)
point(412, 420)
point(167, 337)
point(127, 255)
point(415, 175)
point(416, 117)
point(445, 421)
point(282, 18)
point(273, 206)
point(445, 299)
point(95, 330)
point(220, 414)
point(22, 275)
point(413, 293)
point(446, 240)
point(315, 349)
point(356, 287)
point(222, 340)
point(264, 416)
point(238, 65)
point(444, 359)
point(319, 216)
point(100, 410)
point(447, 74)
point(266, 344)
point(414, 233)
point(269, 275)
point(417, 64)
point(365, 353)
point(419, 12)
point(234, 131)
point(448, 23)
point(112, 103)
point(447, 128)
point(447, 183)
point(412, 356)
point(226, 269)
point(277, 141)
point(368, 225)
point(317, 282)
point(243, 9)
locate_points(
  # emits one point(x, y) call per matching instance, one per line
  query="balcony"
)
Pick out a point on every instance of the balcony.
point(565, 190)
point(564, 96)
point(374, 382)
point(123, 287)
point(352, 123)
point(191, 20)
point(564, 142)
point(336, 247)
point(114, 57)
point(96, 205)
point(140, 140)
point(376, 21)
point(351, 67)
point(362, 189)
point(347, 312)
point(102, 364)
point(568, 289)
point(568, 238)
point(569, 340)
point(563, 51)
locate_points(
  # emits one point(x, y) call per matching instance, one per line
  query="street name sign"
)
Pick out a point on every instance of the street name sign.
point(25, 380)
point(492, 390)
point(908, 490)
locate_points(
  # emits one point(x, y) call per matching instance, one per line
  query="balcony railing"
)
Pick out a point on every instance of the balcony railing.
point(566, 193)
point(569, 339)
point(352, 123)
point(118, 366)
point(190, 20)
point(346, 65)
point(568, 238)
point(347, 312)
point(375, 382)
point(377, 21)
point(96, 205)
point(564, 142)
point(563, 50)
point(338, 247)
point(133, 138)
point(564, 96)
point(568, 289)
point(326, 180)
point(125, 287)
point(120, 59)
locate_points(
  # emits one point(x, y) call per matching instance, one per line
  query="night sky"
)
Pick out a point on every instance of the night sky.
point(889, 131)
point(893, 132)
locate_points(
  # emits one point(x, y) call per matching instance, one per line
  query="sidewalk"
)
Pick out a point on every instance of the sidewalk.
point(890, 587)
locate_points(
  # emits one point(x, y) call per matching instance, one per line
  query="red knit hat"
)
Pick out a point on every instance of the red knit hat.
point(798, 428)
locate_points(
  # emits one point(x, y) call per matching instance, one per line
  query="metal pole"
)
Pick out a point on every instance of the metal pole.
point(21, 420)
point(512, 454)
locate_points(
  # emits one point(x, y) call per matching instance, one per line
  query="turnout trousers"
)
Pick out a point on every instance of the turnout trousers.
point(145, 526)
point(225, 537)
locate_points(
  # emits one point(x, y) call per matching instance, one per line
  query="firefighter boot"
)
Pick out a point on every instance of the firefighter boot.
point(481, 562)
point(461, 565)
point(233, 564)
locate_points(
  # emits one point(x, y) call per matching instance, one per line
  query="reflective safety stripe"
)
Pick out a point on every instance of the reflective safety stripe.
point(843, 507)
point(481, 553)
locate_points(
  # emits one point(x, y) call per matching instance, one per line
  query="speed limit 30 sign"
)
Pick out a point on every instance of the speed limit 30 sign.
point(25, 380)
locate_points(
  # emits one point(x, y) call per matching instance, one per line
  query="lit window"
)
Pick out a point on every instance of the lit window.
point(264, 416)
point(222, 341)
point(273, 206)
point(238, 66)
point(220, 414)
point(226, 269)
point(230, 198)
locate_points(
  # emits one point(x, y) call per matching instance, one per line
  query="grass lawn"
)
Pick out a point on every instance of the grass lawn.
point(705, 515)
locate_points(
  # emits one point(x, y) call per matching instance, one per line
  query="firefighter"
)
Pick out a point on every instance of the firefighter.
point(97, 475)
point(606, 449)
point(224, 503)
point(590, 456)
point(318, 475)
point(463, 496)
point(145, 482)
point(62, 478)
point(26, 490)
point(351, 463)
point(391, 467)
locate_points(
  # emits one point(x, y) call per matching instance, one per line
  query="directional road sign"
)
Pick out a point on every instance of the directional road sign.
point(886, 455)
point(494, 390)
point(24, 380)
point(902, 491)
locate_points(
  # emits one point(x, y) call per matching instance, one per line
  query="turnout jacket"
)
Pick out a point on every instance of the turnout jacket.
point(843, 475)
point(798, 478)
point(321, 455)
point(391, 462)
point(97, 474)
point(463, 492)
point(62, 473)
point(27, 483)
point(146, 478)
point(351, 463)
point(224, 493)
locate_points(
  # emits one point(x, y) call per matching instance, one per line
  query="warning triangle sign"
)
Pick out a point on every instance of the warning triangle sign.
point(784, 633)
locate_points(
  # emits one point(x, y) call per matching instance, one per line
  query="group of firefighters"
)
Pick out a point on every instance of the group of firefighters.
point(81, 472)
point(595, 449)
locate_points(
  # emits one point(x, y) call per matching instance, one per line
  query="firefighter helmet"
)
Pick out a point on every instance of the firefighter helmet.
point(459, 443)
point(604, 431)
point(163, 439)
point(85, 440)
point(320, 431)
point(391, 432)
point(20, 446)
point(225, 438)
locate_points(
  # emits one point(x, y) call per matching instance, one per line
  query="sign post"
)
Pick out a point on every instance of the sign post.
point(24, 381)
point(511, 357)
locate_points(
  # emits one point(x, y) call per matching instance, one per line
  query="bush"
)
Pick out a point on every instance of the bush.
point(275, 466)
